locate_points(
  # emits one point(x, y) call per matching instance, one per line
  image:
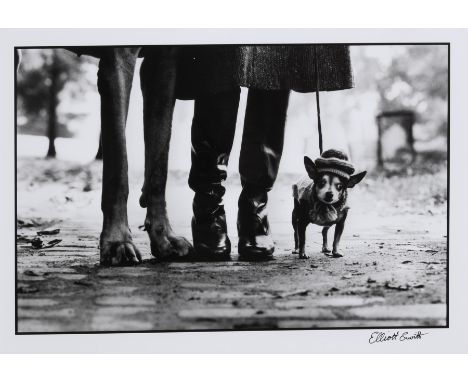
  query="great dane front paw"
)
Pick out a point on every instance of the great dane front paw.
point(336, 254)
point(117, 248)
point(303, 256)
point(325, 250)
point(165, 245)
point(119, 254)
point(170, 248)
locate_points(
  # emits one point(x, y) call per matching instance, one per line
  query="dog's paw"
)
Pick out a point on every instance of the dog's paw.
point(168, 247)
point(326, 250)
point(336, 254)
point(119, 253)
point(116, 246)
point(182, 246)
point(303, 256)
point(295, 251)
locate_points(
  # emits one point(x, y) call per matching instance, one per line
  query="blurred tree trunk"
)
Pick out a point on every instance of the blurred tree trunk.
point(53, 103)
point(99, 152)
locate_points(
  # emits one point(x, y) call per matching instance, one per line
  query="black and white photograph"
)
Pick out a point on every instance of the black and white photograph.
point(231, 187)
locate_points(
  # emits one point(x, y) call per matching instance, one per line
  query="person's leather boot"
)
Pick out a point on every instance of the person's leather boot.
point(255, 242)
point(213, 129)
point(209, 232)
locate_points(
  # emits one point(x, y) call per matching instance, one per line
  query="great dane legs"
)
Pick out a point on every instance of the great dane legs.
point(158, 80)
point(115, 75)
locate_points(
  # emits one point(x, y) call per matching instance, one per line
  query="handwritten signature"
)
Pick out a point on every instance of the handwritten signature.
point(377, 337)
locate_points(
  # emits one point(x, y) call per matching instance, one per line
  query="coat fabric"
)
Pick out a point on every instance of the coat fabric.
point(281, 67)
point(217, 68)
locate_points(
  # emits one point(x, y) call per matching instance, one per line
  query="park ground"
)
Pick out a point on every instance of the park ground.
point(393, 272)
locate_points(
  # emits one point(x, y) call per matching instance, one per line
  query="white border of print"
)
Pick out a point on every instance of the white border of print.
point(453, 339)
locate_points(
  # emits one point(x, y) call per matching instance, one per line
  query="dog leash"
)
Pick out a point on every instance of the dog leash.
point(317, 99)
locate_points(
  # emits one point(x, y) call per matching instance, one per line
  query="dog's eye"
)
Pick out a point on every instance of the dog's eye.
point(339, 186)
point(322, 183)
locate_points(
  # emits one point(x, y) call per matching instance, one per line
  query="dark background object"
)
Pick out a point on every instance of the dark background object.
point(405, 154)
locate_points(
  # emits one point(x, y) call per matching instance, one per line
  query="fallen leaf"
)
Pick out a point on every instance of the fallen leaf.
point(52, 243)
point(83, 282)
point(49, 232)
point(28, 272)
point(302, 292)
point(23, 239)
point(396, 287)
point(27, 289)
point(27, 223)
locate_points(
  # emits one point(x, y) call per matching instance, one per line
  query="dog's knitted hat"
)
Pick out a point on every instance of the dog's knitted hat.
point(336, 162)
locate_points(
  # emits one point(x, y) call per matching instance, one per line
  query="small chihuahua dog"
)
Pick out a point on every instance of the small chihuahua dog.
point(321, 199)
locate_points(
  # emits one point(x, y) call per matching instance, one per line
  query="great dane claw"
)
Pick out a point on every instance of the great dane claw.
point(119, 254)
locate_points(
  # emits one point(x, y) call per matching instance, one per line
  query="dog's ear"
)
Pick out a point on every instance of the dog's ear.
point(310, 167)
point(355, 179)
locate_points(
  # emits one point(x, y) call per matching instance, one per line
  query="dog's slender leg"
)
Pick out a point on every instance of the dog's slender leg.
point(294, 224)
point(325, 248)
point(115, 75)
point(301, 233)
point(158, 81)
point(338, 232)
